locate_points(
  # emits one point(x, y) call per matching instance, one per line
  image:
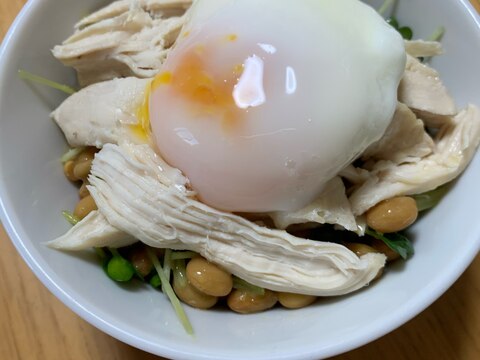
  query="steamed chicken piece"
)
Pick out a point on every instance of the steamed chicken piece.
point(455, 146)
point(128, 38)
point(95, 231)
point(92, 231)
point(110, 120)
point(127, 183)
point(404, 141)
point(331, 207)
point(421, 48)
point(354, 174)
point(422, 90)
point(156, 8)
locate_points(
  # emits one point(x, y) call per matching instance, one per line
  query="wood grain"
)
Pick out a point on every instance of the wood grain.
point(35, 325)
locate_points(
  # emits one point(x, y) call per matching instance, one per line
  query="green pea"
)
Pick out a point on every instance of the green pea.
point(406, 32)
point(392, 21)
point(118, 268)
point(155, 281)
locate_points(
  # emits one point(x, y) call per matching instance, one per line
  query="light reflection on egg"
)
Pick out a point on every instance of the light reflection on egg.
point(260, 103)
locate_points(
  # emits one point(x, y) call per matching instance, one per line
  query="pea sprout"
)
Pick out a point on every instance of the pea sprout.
point(437, 34)
point(393, 22)
point(395, 241)
point(387, 4)
point(179, 273)
point(72, 219)
point(183, 255)
point(241, 284)
point(431, 199)
point(104, 257)
point(406, 32)
point(25, 75)
point(71, 154)
point(101, 253)
point(167, 264)
point(170, 293)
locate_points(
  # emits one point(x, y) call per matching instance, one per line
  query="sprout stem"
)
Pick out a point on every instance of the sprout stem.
point(71, 154)
point(72, 219)
point(170, 293)
point(437, 34)
point(167, 265)
point(244, 285)
point(182, 255)
point(179, 273)
point(43, 81)
point(388, 4)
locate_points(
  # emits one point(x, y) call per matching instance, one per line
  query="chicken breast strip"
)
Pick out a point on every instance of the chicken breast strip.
point(127, 183)
point(404, 141)
point(422, 48)
point(455, 146)
point(422, 90)
point(127, 38)
point(93, 231)
point(331, 207)
point(116, 106)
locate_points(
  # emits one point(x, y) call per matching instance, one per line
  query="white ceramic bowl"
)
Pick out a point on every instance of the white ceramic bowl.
point(33, 191)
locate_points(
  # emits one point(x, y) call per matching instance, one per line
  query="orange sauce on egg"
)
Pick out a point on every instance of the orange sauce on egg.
point(142, 129)
point(205, 92)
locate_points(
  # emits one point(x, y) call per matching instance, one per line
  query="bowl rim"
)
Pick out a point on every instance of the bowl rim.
point(397, 319)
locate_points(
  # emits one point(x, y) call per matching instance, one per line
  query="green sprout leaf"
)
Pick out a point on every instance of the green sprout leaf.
point(393, 22)
point(431, 199)
point(395, 241)
point(406, 32)
point(241, 284)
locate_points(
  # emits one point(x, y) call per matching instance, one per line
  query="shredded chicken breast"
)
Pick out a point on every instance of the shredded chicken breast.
point(133, 190)
point(127, 38)
point(455, 146)
point(110, 120)
point(421, 89)
point(93, 231)
point(331, 207)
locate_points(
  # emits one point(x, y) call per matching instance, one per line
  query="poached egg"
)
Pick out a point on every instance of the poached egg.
point(261, 103)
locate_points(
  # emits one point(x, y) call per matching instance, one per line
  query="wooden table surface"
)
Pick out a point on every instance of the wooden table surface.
point(35, 325)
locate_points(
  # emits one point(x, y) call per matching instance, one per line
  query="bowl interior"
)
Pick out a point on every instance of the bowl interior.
point(33, 192)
